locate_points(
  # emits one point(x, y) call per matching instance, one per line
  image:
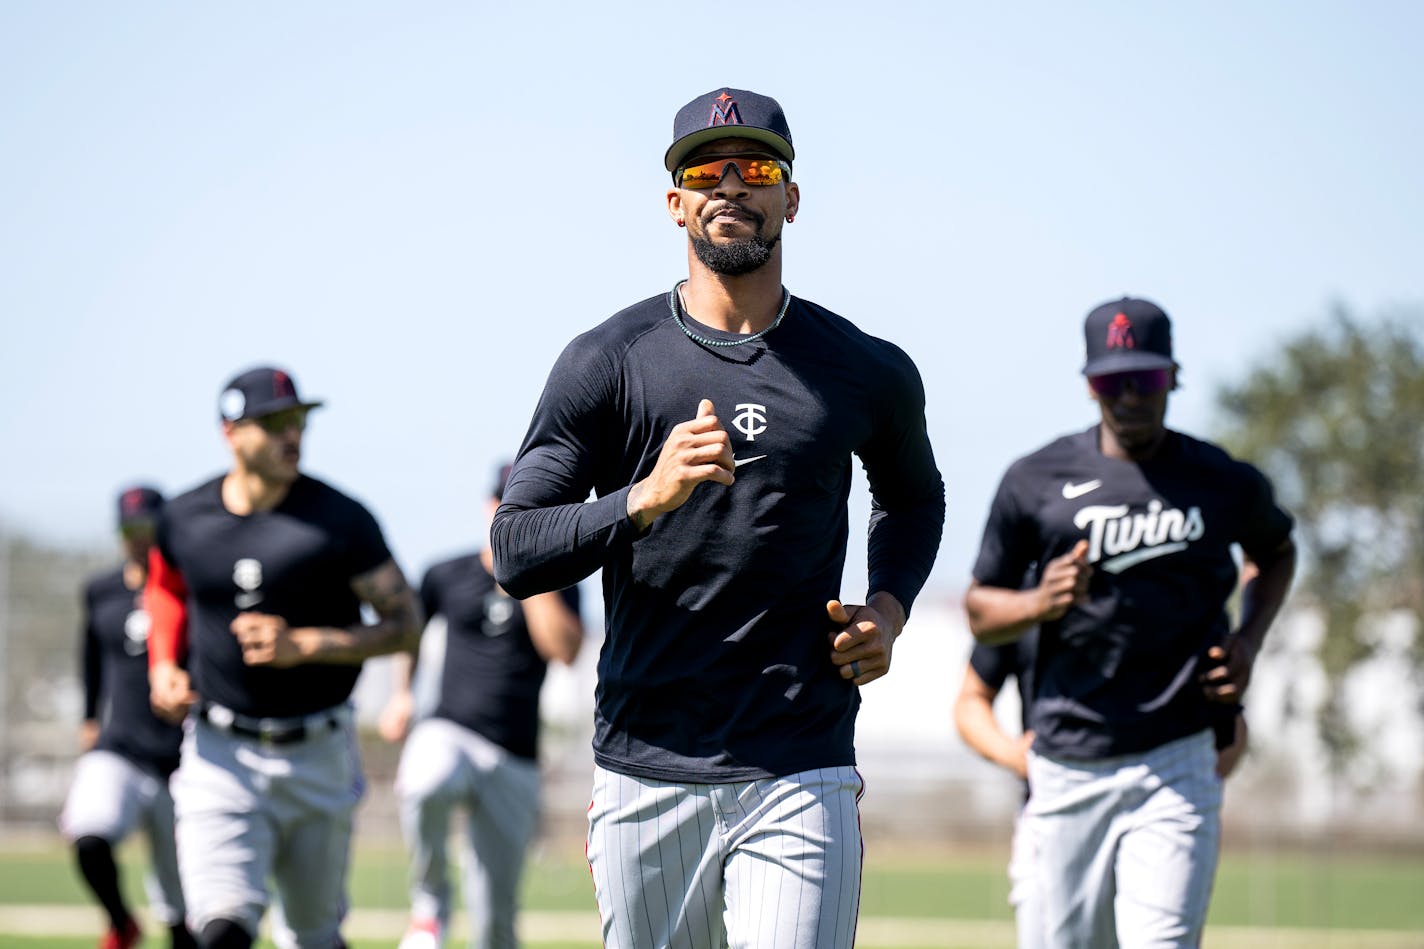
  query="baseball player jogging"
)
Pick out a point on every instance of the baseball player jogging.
point(121, 780)
point(479, 748)
point(1129, 529)
point(261, 573)
point(988, 670)
point(716, 423)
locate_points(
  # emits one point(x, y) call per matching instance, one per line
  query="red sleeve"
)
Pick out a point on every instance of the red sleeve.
point(165, 597)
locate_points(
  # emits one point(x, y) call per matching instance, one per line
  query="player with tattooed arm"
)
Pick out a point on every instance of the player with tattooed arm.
point(256, 587)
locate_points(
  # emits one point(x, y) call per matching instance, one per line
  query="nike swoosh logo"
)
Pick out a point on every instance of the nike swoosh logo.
point(737, 463)
point(1071, 490)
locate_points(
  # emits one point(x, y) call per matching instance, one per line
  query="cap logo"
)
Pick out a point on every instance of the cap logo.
point(281, 384)
point(724, 112)
point(132, 500)
point(1120, 333)
point(232, 404)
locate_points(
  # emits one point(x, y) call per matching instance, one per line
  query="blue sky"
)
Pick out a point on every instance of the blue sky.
point(415, 206)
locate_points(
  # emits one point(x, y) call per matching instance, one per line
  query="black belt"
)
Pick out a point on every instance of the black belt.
point(269, 731)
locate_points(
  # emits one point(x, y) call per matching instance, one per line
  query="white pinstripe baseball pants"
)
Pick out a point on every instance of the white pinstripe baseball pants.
point(773, 862)
point(1127, 846)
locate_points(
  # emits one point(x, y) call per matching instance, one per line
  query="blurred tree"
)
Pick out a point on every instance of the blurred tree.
point(1336, 419)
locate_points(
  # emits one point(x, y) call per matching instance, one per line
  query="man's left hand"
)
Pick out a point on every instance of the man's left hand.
point(266, 640)
point(862, 646)
point(1228, 670)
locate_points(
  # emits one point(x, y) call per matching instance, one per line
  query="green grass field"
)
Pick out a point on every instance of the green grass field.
point(941, 898)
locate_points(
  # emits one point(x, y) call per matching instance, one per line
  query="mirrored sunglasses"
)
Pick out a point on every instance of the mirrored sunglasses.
point(279, 422)
point(757, 171)
point(1141, 381)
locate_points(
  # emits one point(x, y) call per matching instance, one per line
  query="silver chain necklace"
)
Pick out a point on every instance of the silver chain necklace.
point(675, 295)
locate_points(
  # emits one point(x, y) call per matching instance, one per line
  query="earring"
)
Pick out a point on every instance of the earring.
point(790, 218)
point(681, 223)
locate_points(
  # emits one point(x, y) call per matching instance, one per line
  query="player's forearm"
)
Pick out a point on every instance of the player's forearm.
point(542, 549)
point(1000, 615)
point(165, 598)
point(554, 629)
point(335, 646)
point(403, 669)
point(981, 732)
point(93, 676)
point(1262, 597)
point(903, 543)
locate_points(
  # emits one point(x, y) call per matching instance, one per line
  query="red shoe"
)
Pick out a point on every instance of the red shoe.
point(422, 934)
point(127, 939)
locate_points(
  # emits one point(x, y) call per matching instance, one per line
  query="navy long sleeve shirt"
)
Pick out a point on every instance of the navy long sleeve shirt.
point(716, 666)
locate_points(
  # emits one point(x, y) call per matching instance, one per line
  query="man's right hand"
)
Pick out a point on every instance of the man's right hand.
point(695, 451)
point(1064, 583)
point(170, 692)
point(1018, 760)
point(394, 723)
point(88, 734)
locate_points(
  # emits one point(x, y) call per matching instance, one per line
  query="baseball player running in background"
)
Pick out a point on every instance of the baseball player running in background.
point(988, 670)
point(479, 748)
point(121, 780)
point(1130, 528)
point(263, 572)
point(717, 424)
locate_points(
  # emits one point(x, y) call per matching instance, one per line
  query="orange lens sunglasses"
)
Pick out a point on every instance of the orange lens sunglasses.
point(757, 171)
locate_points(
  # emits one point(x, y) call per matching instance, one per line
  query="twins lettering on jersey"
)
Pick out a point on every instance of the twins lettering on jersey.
point(247, 574)
point(1118, 540)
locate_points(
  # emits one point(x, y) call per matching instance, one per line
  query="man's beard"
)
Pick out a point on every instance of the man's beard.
point(734, 258)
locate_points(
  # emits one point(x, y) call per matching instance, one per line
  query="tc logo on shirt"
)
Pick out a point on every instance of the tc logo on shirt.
point(247, 574)
point(499, 610)
point(136, 626)
point(750, 420)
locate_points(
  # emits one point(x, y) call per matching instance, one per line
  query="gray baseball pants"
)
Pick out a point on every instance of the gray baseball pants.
point(1127, 846)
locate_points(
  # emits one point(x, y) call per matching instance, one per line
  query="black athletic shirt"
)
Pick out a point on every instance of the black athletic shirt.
point(115, 658)
point(492, 675)
point(295, 561)
point(716, 665)
point(1119, 674)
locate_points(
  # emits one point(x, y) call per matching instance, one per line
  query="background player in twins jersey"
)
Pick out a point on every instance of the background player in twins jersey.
point(478, 750)
point(121, 780)
point(1129, 528)
point(717, 424)
point(263, 572)
point(988, 670)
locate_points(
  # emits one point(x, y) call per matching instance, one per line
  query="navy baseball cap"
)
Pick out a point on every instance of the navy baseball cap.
point(729, 113)
point(139, 503)
point(501, 478)
point(258, 392)
point(1126, 335)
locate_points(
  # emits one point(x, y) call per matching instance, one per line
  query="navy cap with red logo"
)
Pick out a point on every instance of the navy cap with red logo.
point(729, 113)
point(260, 391)
point(1126, 335)
point(139, 503)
